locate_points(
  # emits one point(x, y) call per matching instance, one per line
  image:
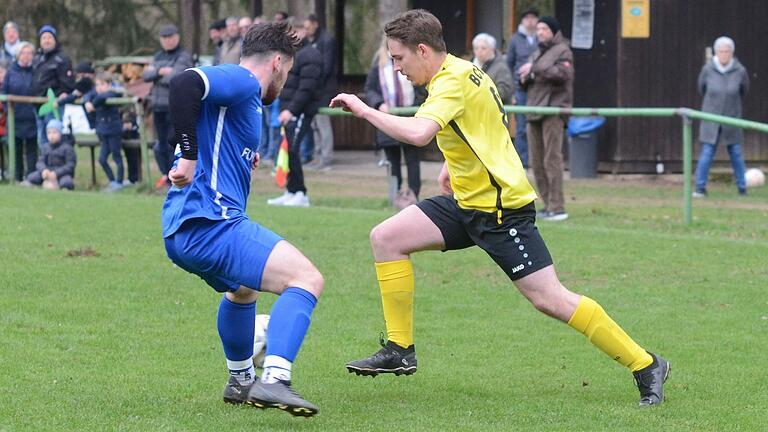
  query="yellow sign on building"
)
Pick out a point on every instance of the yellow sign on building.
point(635, 18)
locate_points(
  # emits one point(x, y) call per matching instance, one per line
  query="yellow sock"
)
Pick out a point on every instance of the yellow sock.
point(591, 320)
point(396, 284)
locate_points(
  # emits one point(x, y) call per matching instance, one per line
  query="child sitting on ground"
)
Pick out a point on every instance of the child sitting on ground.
point(56, 165)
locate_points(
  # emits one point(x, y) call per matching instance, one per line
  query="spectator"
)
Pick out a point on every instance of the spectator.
point(56, 166)
point(230, 50)
point(11, 43)
point(521, 46)
point(130, 131)
point(51, 69)
point(489, 59)
point(299, 102)
point(549, 80)
point(280, 16)
point(723, 83)
point(3, 124)
point(384, 89)
point(270, 141)
point(84, 74)
point(109, 127)
point(216, 33)
point(244, 24)
point(321, 125)
point(18, 81)
point(168, 62)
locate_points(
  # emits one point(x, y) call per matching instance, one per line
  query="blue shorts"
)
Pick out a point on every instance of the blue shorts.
point(224, 253)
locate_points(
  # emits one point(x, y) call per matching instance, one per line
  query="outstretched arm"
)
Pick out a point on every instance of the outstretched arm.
point(411, 130)
point(185, 99)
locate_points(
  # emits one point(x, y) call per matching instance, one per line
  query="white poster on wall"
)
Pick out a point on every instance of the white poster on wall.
point(583, 24)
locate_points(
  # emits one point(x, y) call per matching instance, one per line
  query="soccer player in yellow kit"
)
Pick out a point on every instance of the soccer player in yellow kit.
point(487, 202)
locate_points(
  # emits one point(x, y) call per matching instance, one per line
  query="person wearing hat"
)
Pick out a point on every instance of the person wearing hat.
point(521, 45)
point(56, 166)
point(11, 43)
point(216, 34)
point(549, 80)
point(51, 69)
point(167, 63)
point(84, 74)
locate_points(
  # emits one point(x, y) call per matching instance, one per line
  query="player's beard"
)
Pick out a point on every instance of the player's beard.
point(273, 91)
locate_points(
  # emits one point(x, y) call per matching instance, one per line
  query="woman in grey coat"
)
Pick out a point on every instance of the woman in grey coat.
point(723, 82)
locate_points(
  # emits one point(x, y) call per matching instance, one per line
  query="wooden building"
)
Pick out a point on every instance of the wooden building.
point(655, 71)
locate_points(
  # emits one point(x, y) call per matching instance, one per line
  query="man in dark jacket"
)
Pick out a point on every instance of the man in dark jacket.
point(18, 81)
point(56, 166)
point(168, 62)
point(549, 80)
point(52, 69)
point(521, 46)
point(216, 33)
point(321, 125)
point(299, 102)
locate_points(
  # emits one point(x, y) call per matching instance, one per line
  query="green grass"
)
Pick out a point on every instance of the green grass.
point(124, 341)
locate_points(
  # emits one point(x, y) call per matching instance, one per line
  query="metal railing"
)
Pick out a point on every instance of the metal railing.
point(39, 100)
point(686, 115)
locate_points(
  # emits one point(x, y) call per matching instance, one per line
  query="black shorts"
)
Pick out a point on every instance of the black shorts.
point(515, 243)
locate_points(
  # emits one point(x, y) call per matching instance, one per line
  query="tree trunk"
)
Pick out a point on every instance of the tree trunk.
point(189, 13)
point(320, 12)
point(257, 8)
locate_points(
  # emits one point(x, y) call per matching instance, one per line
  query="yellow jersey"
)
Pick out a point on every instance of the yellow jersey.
point(485, 171)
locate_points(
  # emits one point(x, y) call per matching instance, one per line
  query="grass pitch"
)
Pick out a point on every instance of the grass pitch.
point(100, 332)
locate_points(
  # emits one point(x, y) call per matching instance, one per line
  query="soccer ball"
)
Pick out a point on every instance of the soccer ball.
point(260, 340)
point(754, 177)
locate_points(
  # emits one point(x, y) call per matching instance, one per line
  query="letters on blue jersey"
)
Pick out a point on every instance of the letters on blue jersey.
point(228, 135)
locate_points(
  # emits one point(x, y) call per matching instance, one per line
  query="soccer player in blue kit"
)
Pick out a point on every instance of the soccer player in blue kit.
point(217, 116)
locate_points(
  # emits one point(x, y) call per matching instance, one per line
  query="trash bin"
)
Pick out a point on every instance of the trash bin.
point(582, 146)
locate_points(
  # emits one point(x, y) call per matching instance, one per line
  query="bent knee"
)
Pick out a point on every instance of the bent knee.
point(311, 280)
point(382, 237)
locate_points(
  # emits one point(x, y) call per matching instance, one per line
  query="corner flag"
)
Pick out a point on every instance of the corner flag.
point(281, 173)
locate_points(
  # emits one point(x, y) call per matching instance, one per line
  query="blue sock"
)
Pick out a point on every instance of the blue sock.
point(288, 322)
point(236, 327)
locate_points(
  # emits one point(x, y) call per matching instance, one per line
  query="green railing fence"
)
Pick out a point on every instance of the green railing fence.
point(12, 99)
point(687, 116)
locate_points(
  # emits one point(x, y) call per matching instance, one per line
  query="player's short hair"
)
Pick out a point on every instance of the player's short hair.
point(415, 27)
point(270, 37)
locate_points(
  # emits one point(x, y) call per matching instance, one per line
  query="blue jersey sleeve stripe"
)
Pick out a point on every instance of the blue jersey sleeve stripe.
point(205, 80)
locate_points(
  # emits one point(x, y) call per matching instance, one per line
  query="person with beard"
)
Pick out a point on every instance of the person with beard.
point(216, 112)
point(167, 63)
point(51, 69)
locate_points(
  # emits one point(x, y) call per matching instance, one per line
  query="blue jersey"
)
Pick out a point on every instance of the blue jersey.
point(228, 135)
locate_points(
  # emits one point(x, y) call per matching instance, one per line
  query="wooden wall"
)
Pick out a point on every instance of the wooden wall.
point(662, 71)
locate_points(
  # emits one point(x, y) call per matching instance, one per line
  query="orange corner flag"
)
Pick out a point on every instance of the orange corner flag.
point(281, 173)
